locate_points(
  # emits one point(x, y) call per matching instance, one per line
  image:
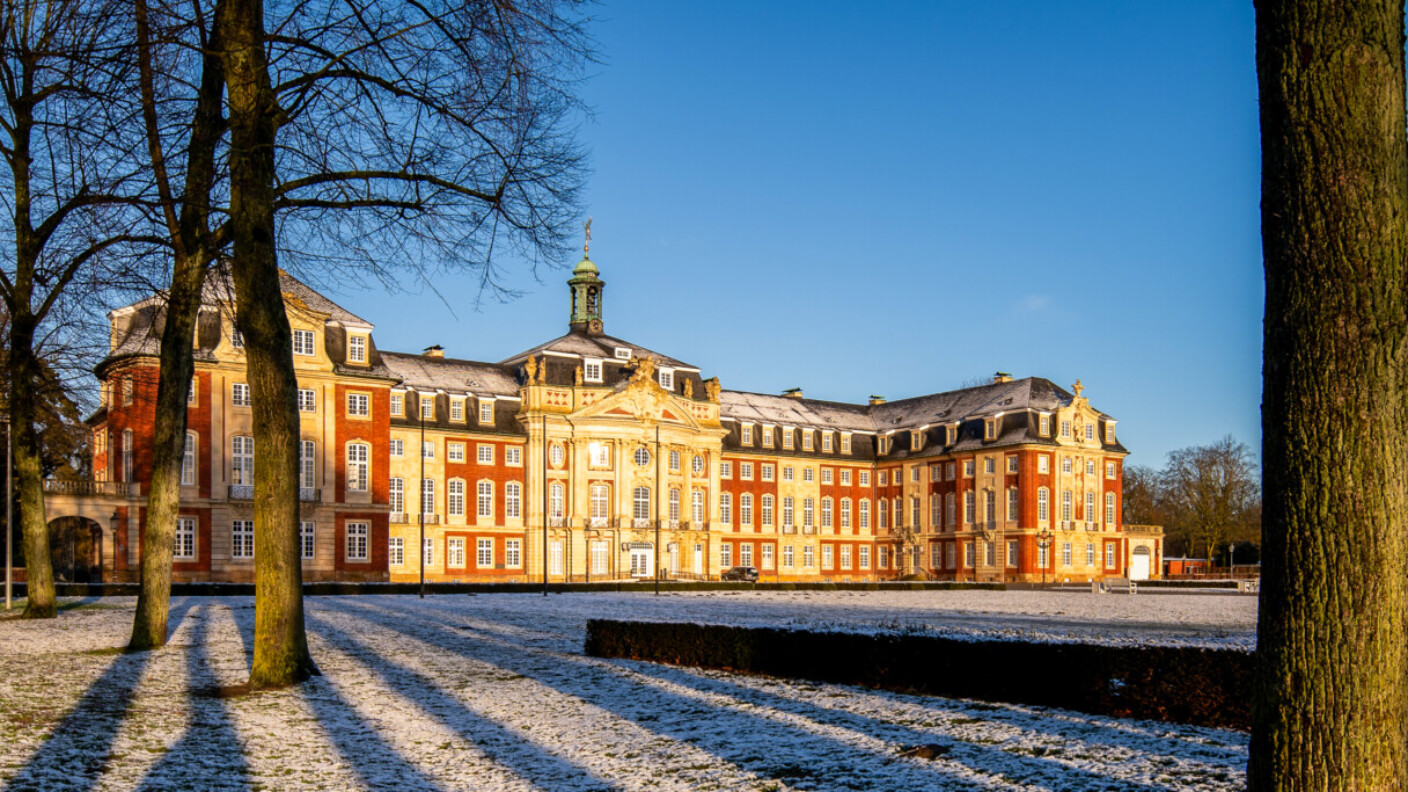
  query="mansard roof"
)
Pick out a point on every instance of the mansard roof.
point(764, 408)
point(451, 375)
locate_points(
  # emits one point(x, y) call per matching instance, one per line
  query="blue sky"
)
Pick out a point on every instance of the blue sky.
point(895, 198)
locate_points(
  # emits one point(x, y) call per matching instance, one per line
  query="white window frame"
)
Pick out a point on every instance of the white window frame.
point(239, 394)
point(357, 349)
point(303, 343)
point(358, 466)
point(591, 370)
point(307, 400)
point(307, 540)
point(186, 531)
point(242, 539)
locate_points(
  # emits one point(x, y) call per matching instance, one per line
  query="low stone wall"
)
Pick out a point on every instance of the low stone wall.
point(330, 588)
point(1206, 687)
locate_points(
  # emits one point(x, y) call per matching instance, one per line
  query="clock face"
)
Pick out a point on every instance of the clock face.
point(594, 325)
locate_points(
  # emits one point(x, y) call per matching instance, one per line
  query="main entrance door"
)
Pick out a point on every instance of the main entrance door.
point(642, 562)
point(1139, 564)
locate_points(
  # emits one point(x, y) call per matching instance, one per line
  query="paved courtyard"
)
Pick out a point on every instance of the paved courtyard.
point(492, 692)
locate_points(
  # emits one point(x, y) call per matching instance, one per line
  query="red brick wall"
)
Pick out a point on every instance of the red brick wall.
point(374, 432)
point(472, 472)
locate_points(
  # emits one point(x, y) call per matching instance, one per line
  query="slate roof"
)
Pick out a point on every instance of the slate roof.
point(452, 375)
point(602, 346)
point(787, 411)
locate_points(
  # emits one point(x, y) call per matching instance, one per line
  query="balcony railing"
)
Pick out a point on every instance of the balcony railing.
point(430, 519)
point(640, 522)
point(557, 522)
point(599, 522)
point(398, 518)
point(117, 489)
point(789, 529)
point(808, 529)
point(241, 492)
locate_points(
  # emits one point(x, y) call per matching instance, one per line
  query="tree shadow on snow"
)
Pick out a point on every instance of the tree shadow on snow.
point(209, 755)
point(77, 752)
point(500, 744)
point(757, 744)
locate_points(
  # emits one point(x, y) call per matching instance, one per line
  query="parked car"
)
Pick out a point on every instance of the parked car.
point(745, 574)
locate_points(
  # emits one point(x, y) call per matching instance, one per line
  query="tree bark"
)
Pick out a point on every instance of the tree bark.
point(192, 255)
point(280, 644)
point(25, 372)
point(1330, 707)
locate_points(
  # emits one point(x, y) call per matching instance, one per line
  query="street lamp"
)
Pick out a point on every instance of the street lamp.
point(1043, 541)
point(9, 517)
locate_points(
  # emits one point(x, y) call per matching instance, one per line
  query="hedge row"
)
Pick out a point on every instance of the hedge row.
point(1206, 687)
point(330, 588)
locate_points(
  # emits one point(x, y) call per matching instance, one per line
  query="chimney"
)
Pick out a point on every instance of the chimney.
point(436, 351)
point(874, 400)
point(1001, 377)
point(793, 393)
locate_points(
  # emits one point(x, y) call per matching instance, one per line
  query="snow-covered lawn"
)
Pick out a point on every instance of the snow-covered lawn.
point(493, 693)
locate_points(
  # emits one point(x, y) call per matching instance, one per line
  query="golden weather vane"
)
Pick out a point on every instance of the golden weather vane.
point(587, 244)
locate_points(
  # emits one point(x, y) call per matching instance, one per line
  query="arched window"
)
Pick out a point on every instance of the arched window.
point(455, 498)
point(826, 513)
point(767, 511)
point(485, 499)
point(726, 508)
point(1043, 504)
point(358, 455)
point(513, 499)
point(696, 507)
point(745, 509)
point(555, 499)
point(188, 461)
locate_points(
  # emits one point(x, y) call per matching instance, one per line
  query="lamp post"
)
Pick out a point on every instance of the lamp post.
point(9, 518)
point(1043, 541)
point(421, 510)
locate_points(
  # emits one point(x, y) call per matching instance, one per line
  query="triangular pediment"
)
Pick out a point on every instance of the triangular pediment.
point(639, 400)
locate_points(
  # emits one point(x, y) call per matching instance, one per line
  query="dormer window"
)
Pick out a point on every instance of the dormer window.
point(990, 429)
point(357, 349)
point(845, 443)
point(1043, 425)
point(1090, 431)
point(427, 407)
point(916, 440)
point(486, 411)
point(786, 438)
point(952, 434)
point(591, 370)
point(1066, 430)
point(807, 440)
point(1109, 431)
point(303, 342)
point(398, 404)
point(767, 436)
point(236, 338)
point(747, 434)
point(622, 353)
point(826, 441)
point(667, 378)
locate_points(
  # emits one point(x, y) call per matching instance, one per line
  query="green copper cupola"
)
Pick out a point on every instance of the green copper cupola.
point(587, 287)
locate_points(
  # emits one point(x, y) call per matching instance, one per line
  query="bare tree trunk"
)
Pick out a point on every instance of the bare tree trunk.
point(1330, 706)
point(280, 644)
point(190, 236)
point(29, 471)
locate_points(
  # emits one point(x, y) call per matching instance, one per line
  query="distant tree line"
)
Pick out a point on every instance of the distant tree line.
point(1207, 498)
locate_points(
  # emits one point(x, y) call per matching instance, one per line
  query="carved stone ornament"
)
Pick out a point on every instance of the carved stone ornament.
point(689, 389)
point(1078, 388)
point(645, 370)
point(712, 388)
point(577, 376)
point(531, 367)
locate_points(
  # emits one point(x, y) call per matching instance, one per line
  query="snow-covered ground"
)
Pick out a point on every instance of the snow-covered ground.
point(493, 693)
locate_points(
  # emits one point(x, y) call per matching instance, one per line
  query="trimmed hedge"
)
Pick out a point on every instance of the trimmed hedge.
point(1205, 687)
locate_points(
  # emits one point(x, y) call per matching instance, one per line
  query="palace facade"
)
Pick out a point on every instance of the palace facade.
point(598, 459)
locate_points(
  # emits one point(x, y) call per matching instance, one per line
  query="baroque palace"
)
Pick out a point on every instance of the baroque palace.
point(601, 460)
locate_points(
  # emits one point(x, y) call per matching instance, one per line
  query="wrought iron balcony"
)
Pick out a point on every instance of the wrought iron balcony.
point(308, 494)
point(241, 492)
point(117, 489)
point(398, 518)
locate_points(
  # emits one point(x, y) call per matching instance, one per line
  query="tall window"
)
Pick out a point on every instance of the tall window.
point(396, 552)
point(936, 510)
point(787, 511)
point(188, 461)
point(599, 554)
point(306, 540)
point(513, 553)
point(428, 552)
point(809, 556)
point(307, 400)
point(863, 515)
point(398, 495)
point(239, 394)
point(882, 509)
point(357, 456)
point(600, 501)
point(357, 349)
point(427, 406)
point(1109, 508)
point(127, 456)
point(969, 507)
point(1066, 505)
point(513, 499)
point(555, 509)
point(745, 509)
point(485, 499)
point(185, 538)
point(726, 508)
point(696, 507)
point(674, 500)
point(242, 539)
point(484, 552)
point(808, 512)
point(767, 511)
point(640, 503)
point(950, 510)
point(1043, 506)
point(455, 498)
point(990, 506)
point(1012, 501)
point(826, 521)
point(454, 552)
point(307, 464)
point(427, 496)
point(242, 460)
point(846, 513)
point(1090, 507)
